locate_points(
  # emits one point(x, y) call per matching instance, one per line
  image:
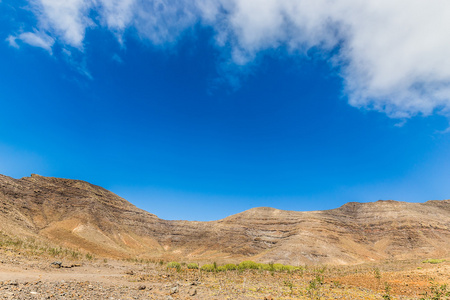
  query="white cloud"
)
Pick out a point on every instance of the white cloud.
point(162, 21)
point(117, 14)
point(397, 54)
point(66, 19)
point(392, 54)
point(36, 39)
point(12, 41)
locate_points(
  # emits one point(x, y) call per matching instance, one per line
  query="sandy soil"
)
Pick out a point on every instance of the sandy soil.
point(23, 277)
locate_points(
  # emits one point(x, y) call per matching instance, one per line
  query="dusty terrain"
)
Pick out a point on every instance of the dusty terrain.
point(103, 247)
point(78, 215)
point(24, 275)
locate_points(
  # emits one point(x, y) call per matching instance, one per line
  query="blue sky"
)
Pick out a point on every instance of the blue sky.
point(202, 110)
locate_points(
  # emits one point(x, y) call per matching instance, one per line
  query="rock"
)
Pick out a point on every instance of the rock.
point(195, 282)
point(174, 290)
point(268, 297)
point(192, 292)
point(56, 264)
point(141, 287)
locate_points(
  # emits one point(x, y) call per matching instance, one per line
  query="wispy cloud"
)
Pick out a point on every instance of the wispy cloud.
point(77, 62)
point(116, 57)
point(36, 39)
point(12, 41)
point(67, 20)
point(392, 55)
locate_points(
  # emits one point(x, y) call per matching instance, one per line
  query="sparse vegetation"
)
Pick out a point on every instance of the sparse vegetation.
point(437, 291)
point(208, 268)
point(377, 273)
point(336, 284)
point(433, 261)
point(192, 266)
point(387, 291)
point(255, 280)
point(32, 247)
point(290, 285)
point(230, 267)
point(248, 265)
point(313, 289)
point(174, 265)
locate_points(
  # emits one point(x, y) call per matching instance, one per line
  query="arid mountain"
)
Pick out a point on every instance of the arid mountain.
point(76, 214)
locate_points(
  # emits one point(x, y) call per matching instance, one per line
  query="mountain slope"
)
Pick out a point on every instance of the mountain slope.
point(74, 213)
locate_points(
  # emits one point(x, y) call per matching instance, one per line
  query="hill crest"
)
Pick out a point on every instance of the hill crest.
point(77, 214)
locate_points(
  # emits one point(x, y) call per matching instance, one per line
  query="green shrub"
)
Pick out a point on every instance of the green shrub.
point(221, 269)
point(208, 268)
point(192, 266)
point(278, 267)
point(230, 267)
point(289, 268)
point(174, 265)
point(266, 267)
point(433, 261)
point(248, 264)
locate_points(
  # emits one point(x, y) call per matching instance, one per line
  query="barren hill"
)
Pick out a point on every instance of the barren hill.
point(77, 214)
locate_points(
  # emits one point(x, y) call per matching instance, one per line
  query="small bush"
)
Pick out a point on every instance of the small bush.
point(230, 267)
point(248, 264)
point(174, 265)
point(433, 261)
point(377, 273)
point(221, 269)
point(289, 268)
point(208, 268)
point(265, 267)
point(192, 266)
point(278, 267)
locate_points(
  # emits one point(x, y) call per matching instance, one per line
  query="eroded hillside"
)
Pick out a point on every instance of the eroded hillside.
point(76, 214)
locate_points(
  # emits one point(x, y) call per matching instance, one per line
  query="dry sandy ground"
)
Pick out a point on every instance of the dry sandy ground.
point(23, 277)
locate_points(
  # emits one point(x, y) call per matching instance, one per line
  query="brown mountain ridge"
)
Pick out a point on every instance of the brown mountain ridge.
point(77, 214)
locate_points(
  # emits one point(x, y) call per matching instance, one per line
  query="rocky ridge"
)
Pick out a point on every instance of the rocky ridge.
point(77, 214)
